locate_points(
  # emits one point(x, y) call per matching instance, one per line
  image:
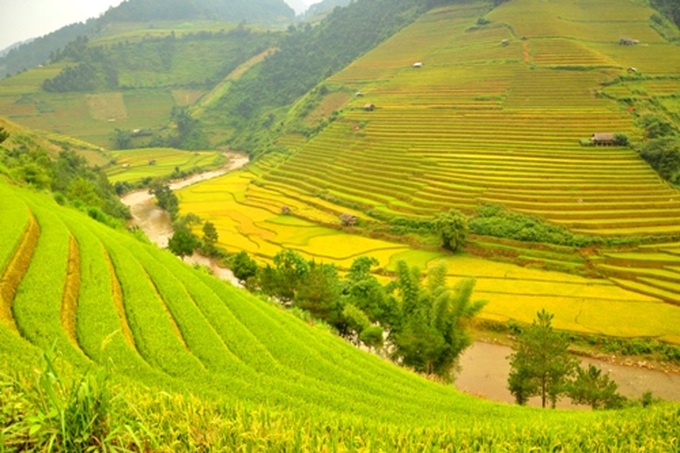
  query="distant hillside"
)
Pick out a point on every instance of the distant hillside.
point(38, 51)
point(324, 7)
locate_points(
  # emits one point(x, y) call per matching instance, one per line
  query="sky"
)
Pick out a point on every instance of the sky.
point(25, 19)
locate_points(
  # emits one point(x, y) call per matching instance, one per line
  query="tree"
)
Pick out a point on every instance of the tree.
point(243, 266)
point(165, 197)
point(4, 135)
point(595, 389)
point(542, 365)
point(210, 235)
point(318, 292)
point(182, 243)
point(431, 331)
point(122, 139)
point(452, 228)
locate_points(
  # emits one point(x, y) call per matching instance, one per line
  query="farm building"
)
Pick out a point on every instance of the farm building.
point(348, 220)
point(603, 139)
point(505, 42)
point(628, 42)
point(418, 64)
point(369, 107)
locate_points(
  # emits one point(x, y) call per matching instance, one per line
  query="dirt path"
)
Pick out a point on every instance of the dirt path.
point(157, 225)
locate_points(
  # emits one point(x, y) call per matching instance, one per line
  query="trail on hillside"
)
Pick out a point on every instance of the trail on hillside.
point(157, 225)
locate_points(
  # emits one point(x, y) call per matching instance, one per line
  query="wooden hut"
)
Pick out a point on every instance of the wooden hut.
point(603, 139)
point(348, 220)
point(369, 107)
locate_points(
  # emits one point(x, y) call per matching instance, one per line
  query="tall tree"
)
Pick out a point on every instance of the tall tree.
point(431, 333)
point(542, 364)
point(595, 389)
point(165, 197)
point(452, 228)
point(182, 243)
point(210, 234)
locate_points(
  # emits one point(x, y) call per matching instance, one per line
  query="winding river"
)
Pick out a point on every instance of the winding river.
point(484, 367)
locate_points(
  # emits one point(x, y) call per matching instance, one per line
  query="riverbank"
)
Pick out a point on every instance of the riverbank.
point(485, 368)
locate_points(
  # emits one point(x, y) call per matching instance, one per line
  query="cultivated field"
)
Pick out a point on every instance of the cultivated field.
point(482, 122)
point(134, 165)
point(258, 377)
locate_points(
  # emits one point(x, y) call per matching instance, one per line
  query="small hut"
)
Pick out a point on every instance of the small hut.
point(505, 43)
point(418, 64)
point(369, 107)
point(152, 162)
point(603, 139)
point(348, 220)
point(285, 210)
point(628, 42)
point(632, 70)
point(359, 94)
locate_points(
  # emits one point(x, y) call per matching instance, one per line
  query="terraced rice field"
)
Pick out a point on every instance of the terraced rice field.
point(248, 217)
point(101, 297)
point(135, 165)
point(483, 123)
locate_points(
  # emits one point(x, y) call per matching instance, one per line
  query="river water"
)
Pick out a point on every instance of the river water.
point(484, 367)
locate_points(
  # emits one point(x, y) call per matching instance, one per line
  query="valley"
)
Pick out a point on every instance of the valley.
point(549, 129)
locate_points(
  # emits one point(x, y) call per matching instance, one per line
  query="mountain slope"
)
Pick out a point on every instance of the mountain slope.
point(497, 114)
point(40, 50)
point(99, 296)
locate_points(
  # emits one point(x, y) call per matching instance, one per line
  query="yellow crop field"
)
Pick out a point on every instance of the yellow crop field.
point(495, 114)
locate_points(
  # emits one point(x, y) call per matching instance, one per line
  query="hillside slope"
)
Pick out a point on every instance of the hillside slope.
point(130, 78)
point(261, 379)
point(498, 113)
point(40, 50)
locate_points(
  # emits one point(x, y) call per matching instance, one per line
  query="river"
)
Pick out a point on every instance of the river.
point(484, 367)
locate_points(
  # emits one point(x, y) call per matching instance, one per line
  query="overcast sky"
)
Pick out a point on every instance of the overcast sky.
point(25, 19)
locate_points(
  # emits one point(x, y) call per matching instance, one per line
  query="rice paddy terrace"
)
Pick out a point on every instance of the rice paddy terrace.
point(260, 378)
point(496, 114)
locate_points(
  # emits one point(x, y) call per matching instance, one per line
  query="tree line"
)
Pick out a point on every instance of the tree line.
point(421, 324)
point(67, 175)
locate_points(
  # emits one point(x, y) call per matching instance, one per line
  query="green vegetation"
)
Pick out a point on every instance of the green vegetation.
point(542, 365)
point(201, 354)
point(452, 228)
point(306, 56)
point(144, 14)
point(68, 175)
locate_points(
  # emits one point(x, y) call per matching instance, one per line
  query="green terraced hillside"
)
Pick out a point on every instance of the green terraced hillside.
point(206, 365)
point(496, 115)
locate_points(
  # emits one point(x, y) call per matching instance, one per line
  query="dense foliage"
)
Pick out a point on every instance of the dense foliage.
point(68, 175)
point(662, 148)
point(670, 8)
point(425, 325)
point(159, 60)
